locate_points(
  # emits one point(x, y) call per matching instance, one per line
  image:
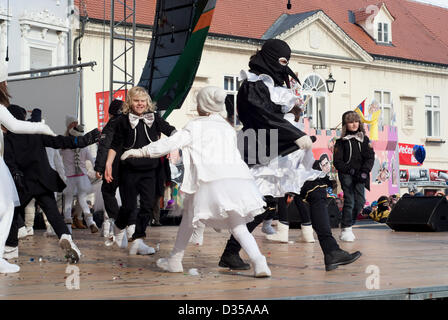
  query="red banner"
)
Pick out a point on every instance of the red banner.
point(405, 155)
point(102, 106)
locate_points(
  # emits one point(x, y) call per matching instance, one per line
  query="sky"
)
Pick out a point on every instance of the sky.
point(440, 3)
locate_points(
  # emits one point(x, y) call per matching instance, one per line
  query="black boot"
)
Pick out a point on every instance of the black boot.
point(233, 261)
point(339, 257)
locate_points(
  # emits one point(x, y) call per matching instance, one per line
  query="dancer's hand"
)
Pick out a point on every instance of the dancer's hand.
point(304, 143)
point(108, 173)
point(133, 153)
point(98, 175)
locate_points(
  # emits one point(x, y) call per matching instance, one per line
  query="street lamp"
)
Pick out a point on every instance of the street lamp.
point(330, 83)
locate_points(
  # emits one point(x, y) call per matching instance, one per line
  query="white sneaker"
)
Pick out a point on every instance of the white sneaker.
point(307, 234)
point(72, 252)
point(22, 233)
point(347, 235)
point(261, 269)
point(173, 263)
point(29, 231)
point(6, 267)
point(10, 252)
point(282, 234)
point(139, 247)
point(130, 230)
point(120, 237)
point(50, 231)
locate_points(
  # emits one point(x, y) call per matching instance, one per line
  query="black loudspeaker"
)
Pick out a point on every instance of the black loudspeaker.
point(419, 214)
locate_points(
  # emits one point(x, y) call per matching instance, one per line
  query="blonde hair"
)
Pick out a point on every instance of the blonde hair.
point(138, 92)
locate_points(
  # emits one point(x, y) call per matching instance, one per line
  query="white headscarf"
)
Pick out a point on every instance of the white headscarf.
point(212, 100)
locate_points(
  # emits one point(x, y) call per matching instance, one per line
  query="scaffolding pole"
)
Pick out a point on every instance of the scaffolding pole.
point(120, 76)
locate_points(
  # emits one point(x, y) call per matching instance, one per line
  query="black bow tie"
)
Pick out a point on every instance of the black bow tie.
point(148, 118)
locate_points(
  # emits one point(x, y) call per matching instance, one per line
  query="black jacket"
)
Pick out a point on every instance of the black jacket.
point(257, 111)
point(106, 138)
point(125, 138)
point(353, 154)
point(26, 153)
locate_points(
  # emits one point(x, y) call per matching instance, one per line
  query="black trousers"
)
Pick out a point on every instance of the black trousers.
point(132, 184)
point(316, 197)
point(108, 190)
point(47, 203)
point(303, 210)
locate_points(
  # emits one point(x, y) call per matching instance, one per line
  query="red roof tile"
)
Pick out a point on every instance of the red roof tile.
point(419, 31)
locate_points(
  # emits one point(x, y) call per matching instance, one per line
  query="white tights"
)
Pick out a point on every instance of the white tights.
point(6, 215)
point(82, 200)
point(237, 226)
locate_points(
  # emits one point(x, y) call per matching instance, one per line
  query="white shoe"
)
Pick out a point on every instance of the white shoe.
point(197, 237)
point(139, 247)
point(173, 263)
point(267, 227)
point(106, 228)
point(282, 234)
point(10, 252)
point(120, 237)
point(6, 267)
point(29, 231)
point(130, 230)
point(307, 234)
point(50, 231)
point(347, 235)
point(261, 269)
point(72, 252)
point(22, 233)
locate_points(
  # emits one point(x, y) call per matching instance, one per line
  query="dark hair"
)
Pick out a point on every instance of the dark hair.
point(4, 94)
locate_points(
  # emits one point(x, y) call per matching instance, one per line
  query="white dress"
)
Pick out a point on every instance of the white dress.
point(286, 174)
point(217, 182)
point(8, 192)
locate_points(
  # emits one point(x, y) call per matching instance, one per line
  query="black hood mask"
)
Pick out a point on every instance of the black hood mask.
point(266, 61)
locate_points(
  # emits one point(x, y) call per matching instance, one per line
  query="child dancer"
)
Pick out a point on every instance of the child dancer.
point(353, 158)
point(220, 191)
point(138, 126)
point(78, 182)
point(8, 193)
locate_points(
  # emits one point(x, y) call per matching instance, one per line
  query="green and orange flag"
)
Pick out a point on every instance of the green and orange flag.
point(180, 30)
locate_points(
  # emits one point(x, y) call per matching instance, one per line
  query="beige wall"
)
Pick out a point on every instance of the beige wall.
point(357, 79)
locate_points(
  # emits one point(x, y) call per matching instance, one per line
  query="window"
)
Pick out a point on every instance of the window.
point(316, 109)
point(40, 59)
point(385, 101)
point(432, 116)
point(231, 86)
point(383, 32)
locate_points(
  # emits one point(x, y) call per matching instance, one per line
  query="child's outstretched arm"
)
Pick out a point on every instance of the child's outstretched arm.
point(161, 147)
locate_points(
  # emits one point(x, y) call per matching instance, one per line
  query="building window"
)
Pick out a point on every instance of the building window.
point(40, 59)
point(432, 116)
point(231, 86)
point(385, 101)
point(316, 109)
point(383, 32)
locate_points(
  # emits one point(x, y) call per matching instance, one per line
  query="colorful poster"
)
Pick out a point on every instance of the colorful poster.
point(405, 155)
point(102, 106)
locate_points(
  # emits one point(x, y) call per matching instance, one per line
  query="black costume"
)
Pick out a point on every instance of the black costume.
point(26, 157)
point(138, 175)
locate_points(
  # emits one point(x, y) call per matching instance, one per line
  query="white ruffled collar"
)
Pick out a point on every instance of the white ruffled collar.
point(282, 96)
point(358, 136)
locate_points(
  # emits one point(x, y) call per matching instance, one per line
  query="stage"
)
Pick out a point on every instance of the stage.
point(394, 265)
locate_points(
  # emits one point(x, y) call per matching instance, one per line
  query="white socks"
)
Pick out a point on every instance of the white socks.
point(307, 233)
point(347, 235)
point(120, 237)
point(173, 263)
point(282, 234)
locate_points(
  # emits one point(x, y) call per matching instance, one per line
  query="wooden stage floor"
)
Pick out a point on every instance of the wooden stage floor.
point(409, 265)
